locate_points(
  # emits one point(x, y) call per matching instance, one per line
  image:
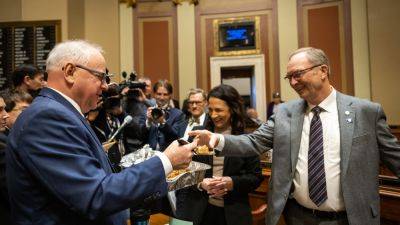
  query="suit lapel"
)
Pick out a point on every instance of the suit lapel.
point(47, 92)
point(346, 114)
point(296, 127)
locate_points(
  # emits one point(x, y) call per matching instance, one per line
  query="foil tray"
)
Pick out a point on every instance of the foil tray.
point(194, 175)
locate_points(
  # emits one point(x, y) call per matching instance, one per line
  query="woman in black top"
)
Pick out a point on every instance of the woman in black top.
point(222, 197)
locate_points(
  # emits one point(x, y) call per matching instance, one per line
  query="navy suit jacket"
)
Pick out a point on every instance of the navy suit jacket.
point(173, 129)
point(58, 172)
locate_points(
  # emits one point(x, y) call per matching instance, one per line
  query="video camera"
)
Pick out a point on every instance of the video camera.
point(133, 85)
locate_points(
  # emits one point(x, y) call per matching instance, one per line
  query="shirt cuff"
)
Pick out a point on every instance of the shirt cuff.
point(221, 142)
point(165, 162)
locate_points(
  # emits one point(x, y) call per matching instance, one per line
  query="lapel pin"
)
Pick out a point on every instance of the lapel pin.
point(347, 113)
point(348, 120)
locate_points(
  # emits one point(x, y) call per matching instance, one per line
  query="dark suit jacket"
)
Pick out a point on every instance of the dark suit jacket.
point(4, 202)
point(365, 140)
point(58, 172)
point(246, 176)
point(173, 129)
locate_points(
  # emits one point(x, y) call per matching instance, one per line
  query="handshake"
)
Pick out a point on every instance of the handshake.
point(180, 154)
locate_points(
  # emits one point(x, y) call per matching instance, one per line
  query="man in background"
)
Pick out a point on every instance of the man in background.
point(149, 100)
point(28, 78)
point(57, 171)
point(163, 124)
point(197, 103)
point(5, 209)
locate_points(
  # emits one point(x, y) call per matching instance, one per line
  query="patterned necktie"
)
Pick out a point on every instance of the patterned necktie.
point(316, 169)
point(193, 120)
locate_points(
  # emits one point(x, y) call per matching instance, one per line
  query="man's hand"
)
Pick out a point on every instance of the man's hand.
point(205, 137)
point(148, 114)
point(180, 156)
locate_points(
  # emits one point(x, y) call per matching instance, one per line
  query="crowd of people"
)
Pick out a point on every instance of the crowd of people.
point(54, 169)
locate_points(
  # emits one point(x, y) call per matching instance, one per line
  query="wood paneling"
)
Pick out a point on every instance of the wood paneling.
point(208, 10)
point(324, 33)
point(155, 53)
point(326, 25)
point(155, 42)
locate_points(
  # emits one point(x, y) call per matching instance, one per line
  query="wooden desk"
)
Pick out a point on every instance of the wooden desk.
point(389, 191)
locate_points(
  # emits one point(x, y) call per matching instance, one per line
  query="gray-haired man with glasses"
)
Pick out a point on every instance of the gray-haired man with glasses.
point(327, 149)
point(57, 170)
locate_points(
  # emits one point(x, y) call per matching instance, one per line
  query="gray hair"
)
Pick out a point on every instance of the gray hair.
point(77, 51)
point(143, 79)
point(314, 55)
point(194, 91)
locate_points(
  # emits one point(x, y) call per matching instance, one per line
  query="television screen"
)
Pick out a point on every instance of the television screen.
point(237, 36)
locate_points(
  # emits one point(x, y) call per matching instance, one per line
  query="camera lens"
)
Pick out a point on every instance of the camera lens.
point(156, 113)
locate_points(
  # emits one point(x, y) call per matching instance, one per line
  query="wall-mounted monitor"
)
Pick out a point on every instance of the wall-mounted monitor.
point(236, 36)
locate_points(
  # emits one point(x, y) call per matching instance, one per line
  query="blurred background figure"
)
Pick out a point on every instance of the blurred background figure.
point(272, 106)
point(197, 106)
point(150, 101)
point(222, 197)
point(253, 115)
point(28, 78)
point(5, 210)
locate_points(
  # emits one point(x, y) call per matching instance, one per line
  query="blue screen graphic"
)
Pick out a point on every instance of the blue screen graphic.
point(236, 34)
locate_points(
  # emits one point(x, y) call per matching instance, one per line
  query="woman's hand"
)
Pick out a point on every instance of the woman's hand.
point(217, 186)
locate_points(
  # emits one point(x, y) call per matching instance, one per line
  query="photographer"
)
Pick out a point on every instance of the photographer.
point(134, 103)
point(163, 124)
point(105, 121)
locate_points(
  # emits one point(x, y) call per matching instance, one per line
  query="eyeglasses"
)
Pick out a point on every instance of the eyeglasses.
point(101, 75)
point(195, 102)
point(297, 74)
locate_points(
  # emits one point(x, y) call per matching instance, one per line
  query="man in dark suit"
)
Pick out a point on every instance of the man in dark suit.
point(4, 203)
point(162, 124)
point(197, 106)
point(327, 149)
point(57, 171)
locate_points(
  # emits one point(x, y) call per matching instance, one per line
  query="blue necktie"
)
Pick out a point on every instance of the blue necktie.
point(316, 168)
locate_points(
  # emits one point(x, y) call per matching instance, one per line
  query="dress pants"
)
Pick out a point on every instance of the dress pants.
point(295, 214)
point(213, 215)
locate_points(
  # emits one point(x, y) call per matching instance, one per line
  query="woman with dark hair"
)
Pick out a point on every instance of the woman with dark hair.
point(222, 197)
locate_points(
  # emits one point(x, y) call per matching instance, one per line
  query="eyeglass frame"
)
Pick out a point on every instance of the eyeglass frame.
point(101, 75)
point(195, 102)
point(299, 73)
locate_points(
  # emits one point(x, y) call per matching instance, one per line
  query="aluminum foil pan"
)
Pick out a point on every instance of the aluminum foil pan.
point(194, 174)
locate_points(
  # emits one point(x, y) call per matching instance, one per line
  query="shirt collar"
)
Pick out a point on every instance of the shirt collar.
point(328, 104)
point(70, 100)
point(201, 119)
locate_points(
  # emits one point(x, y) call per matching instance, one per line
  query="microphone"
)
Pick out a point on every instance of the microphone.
point(127, 120)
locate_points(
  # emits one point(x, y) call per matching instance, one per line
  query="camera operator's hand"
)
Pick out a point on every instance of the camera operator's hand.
point(180, 156)
point(125, 91)
point(148, 114)
point(141, 97)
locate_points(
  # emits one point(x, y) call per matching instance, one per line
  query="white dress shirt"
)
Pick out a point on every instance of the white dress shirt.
point(191, 125)
point(331, 139)
point(164, 159)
